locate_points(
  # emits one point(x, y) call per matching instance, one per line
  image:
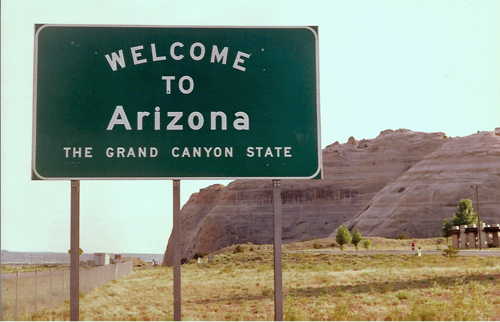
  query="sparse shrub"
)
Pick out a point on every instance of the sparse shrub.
point(403, 295)
point(342, 311)
point(450, 252)
point(226, 270)
point(267, 291)
point(317, 245)
point(426, 312)
point(343, 237)
point(367, 244)
point(402, 236)
point(239, 249)
point(356, 239)
point(468, 303)
point(293, 312)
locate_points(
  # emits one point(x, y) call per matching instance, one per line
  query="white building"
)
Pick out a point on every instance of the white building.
point(101, 259)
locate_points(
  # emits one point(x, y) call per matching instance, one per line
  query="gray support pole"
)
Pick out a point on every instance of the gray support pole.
point(36, 290)
point(62, 287)
point(176, 232)
point(50, 294)
point(74, 296)
point(278, 278)
point(17, 296)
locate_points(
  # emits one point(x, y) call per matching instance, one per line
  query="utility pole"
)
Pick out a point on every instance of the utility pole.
point(478, 219)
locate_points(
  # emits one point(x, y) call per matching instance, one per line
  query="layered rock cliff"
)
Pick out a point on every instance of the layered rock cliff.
point(354, 173)
point(417, 202)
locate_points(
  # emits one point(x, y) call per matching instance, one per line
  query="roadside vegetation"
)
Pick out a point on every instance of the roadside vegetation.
point(465, 215)
point(338, 285)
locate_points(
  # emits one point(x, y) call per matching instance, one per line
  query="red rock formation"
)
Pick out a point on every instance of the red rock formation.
point(419, 200)
point(353, 173)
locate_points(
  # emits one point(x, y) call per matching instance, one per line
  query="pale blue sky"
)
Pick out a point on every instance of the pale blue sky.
point(423, 65)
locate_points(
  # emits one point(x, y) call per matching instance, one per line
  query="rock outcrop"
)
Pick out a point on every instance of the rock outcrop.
point(419, 200)
point(354, 173)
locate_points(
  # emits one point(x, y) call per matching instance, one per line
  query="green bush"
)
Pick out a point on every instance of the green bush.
point(367, 244)
point(356, 238)
point(402, 236)
point(343, 237)
point(239, 249)
point(317, 245)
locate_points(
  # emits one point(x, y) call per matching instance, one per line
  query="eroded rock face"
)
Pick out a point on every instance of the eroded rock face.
point(419, 200)
point(353, 173)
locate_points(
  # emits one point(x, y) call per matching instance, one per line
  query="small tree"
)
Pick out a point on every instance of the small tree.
point(343, 236)
point(367, 244)
point(356, 238)
point(450, 252)
point(445, 230)
point(465, 214)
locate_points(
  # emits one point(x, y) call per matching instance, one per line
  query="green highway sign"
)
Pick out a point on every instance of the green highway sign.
point(128, 102)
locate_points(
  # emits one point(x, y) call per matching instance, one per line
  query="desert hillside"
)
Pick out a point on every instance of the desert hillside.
point(418, 201)
point(400, 182)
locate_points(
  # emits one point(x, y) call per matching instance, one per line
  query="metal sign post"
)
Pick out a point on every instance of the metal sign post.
point(74, 295)
point(176, 233)
point(278, 277)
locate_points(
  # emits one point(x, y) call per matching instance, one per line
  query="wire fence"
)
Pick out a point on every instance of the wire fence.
point(27, 293)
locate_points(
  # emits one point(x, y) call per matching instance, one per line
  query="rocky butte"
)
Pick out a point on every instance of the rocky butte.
point(417, 202)
point(400, 182)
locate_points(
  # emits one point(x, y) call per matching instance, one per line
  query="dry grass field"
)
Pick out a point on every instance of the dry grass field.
point(336, 286)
